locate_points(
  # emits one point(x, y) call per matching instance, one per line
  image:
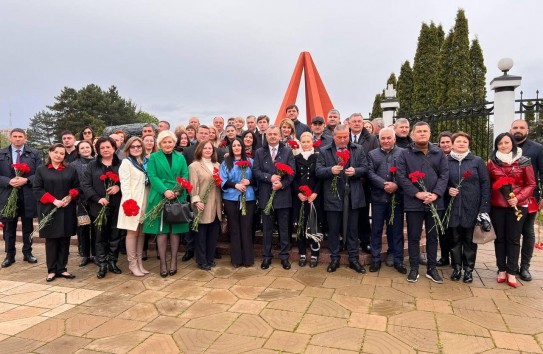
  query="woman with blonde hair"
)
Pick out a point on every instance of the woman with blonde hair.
point(134, 186)
point(214, 136)
point(288, 136)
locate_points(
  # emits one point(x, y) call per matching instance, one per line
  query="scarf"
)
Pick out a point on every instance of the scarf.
point(142, 167)
point(509, 158)
point(457, 156)
point(306, 154)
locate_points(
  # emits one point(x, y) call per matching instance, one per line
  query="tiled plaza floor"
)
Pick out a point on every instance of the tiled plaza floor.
point(243, 310)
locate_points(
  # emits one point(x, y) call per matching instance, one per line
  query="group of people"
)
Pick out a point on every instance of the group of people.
point(293, 178)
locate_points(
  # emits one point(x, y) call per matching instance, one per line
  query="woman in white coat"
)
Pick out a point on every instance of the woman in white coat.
point(135, 186)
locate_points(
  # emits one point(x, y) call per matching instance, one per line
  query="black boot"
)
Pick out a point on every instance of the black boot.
point(102, 271)
point(457, 273)
point(468, 276)
point(525, 274)
point(112, 266)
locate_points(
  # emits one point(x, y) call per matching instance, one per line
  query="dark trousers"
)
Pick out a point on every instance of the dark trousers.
point(415, 219)
point(56, 254)
point(10, 228)
point(507, 243)
point(268, 221)
point(240, 228)
point(303, 241)
point(351, 239)
point(445, 242)
point(87, 239)
point(463, 251)
point(380, 215)
point(206, 242)
point(364, 226)
point(190, 237)
point(107, 240)
point(528, 240)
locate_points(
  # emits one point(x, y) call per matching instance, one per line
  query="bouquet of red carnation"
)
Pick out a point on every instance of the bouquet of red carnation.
point(343, 158)
point(293, 144)
point(393, 171)
point(243, 165)
point(417, 177)
point(282, 169)
point(131, 207)
point(505, 186)
point(215, 182)
point(72, 194)
point(110, 179)
point(10, 209)
point(156, 211)
point(317, 143)
point(447, 216)
point(306, 191)
point(223, 144)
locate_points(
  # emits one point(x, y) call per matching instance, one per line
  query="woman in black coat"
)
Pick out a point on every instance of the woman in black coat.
point(470, 200)
point(56, 185)
point(85, 233)
point(94, 188)
point(306, 161)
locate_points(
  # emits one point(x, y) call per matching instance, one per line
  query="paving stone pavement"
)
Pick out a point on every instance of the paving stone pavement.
point(248, 310)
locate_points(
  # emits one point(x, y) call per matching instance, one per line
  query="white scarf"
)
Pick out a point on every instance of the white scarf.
point(306, 154)
point(458, 156)
point(509, 158)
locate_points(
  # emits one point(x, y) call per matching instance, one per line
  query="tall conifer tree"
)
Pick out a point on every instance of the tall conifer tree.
point(425, 68)
point(405, 89)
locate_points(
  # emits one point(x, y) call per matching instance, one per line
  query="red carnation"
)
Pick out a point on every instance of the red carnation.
point(415, 176)
point(73, 193)
point(467, 174)
point(130, 207)
point(103, 177)
point(284, 168)
point(22, 168)
point(343, 156)
point(113, 176)
point(393, 169)
point(293, 144)
point(306, 190)
point(243, 164)
point(217, 177)
point(317, 143)
point(183, 183)
point(223, 143)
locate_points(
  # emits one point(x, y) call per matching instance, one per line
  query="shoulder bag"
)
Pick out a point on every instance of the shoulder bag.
point(177, 213)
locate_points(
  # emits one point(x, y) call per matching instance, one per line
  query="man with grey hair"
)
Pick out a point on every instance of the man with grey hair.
point(333, 119)
point(344, 198)
point(378, 124)
point(401, 127)
point(218, 123)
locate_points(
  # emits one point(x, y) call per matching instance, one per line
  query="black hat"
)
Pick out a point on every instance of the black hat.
point(317, 119)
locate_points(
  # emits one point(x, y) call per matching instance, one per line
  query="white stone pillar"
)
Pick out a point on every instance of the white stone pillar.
point(389, 105)
point(504, 97)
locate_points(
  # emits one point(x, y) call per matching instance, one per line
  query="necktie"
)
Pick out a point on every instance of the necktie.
point(274, 153)
point(18, 158)
point(354, 138)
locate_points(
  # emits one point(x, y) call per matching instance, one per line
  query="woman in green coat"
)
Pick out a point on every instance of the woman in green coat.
point(163, 169)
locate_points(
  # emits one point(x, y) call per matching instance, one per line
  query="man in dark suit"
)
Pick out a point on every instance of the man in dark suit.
point(266, 174)
point(18, 152)
point(519, 130)
point(263, 122)
point(343, 205)
point(361, 136)
point(292, 113)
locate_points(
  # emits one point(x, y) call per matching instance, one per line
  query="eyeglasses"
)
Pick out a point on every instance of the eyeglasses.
point(87, 132)
point(134, 147)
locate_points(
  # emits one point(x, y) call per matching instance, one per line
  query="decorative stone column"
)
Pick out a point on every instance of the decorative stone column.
point(389, 105)
point(504, 97)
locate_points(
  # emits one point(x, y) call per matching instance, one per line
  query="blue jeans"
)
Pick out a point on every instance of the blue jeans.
point(380, 214)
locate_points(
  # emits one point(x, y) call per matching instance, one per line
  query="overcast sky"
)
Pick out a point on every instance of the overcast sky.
point(176, 59)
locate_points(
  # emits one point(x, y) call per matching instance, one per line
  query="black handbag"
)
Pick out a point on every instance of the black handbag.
point(177, 213)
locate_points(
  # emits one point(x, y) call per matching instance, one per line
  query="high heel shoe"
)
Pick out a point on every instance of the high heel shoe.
point(512, 284)
point(502, 280)
point(173, 272)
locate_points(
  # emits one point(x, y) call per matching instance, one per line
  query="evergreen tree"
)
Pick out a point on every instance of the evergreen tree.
point(425, 68)
point(478, 73)
point(445, 70)
point(460, 77)
point(41, 131)
point(392, 80)
point(377, 111)
point(405, 89)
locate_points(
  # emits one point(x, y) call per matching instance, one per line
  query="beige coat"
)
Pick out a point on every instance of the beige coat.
point(200, 177)
point(132, 187)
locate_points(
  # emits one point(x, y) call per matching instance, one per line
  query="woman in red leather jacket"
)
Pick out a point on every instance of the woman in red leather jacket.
point(507, 161)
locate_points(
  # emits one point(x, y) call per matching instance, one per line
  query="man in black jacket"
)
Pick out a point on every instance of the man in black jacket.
point(18, 152)
point(344, 204)
point(428, 159)
point(533, 150)
point(401, 127)
point(292, 113)
point(361, 136)
point(269, 180)
point(382, 177)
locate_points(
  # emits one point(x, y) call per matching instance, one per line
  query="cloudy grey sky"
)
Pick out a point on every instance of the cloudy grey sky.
point(176, 59)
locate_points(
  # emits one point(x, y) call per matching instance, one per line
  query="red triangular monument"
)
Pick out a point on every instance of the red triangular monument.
point(317, 101)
